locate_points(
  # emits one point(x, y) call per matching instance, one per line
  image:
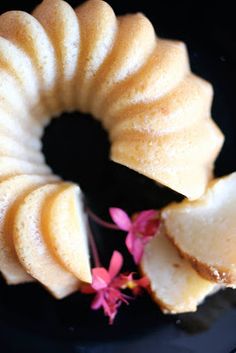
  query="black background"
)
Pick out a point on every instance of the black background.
point(78, 149)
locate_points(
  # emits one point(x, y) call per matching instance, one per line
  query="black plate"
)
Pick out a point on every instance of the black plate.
point(77, 148)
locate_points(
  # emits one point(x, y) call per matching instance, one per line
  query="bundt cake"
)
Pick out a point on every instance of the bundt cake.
point(141, 89)
point(175, 285)
point(139, 86)
point(205, 231)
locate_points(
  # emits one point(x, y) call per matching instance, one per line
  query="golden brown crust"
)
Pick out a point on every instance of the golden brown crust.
point(210, 272)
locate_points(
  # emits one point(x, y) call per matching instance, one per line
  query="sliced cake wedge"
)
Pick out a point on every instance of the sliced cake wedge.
point(175, 285)
point(64, 228)
point(32, 249)
point(204, 230)
point(12, 191)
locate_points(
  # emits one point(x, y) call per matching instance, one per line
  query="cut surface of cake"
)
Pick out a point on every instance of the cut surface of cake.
point(32, 249)
point(12, 191)
point(64, 226)
point(204, 230)
point(175, 285)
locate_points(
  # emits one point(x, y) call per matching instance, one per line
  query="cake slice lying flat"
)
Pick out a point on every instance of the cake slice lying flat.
point(64, 228)
point(175, 285)
point(12, 191)
point(32, 249)
point(204, 231)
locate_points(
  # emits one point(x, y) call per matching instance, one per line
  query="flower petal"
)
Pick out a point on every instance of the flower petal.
point(115, 264)
point(97, 301)
point(129, 241)
point(143, 282)
point(144, 216)
point(135, 246)
point(138, 250)
point(147, 223)
point(120, 218)
point(152, 227)
point(101, 278)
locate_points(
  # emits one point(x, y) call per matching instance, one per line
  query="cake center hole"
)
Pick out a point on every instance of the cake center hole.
point(76, 147)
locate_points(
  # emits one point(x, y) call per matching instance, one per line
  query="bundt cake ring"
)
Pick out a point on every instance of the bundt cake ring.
point(141, 89)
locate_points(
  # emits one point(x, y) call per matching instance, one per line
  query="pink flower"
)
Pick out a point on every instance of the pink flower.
point(108, 286)
point(108, 296)
point(141, 229)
